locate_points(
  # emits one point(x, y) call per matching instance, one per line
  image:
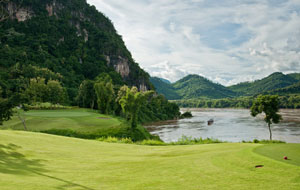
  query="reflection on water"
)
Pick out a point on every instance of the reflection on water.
point(233, 125)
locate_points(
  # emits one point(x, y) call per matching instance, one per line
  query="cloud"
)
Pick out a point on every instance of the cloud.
point(227, 41)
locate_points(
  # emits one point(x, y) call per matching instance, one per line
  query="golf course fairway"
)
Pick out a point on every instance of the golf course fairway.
point(34, 161)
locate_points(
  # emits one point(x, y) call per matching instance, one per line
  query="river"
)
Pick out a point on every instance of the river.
point(232, 125)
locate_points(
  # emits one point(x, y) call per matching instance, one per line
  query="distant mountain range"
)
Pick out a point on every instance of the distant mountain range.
point(195, 87)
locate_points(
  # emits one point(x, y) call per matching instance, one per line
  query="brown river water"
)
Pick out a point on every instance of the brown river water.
point(232, 125)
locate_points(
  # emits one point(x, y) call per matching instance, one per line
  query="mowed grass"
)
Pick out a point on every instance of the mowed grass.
point(30, 161)
point(279, 151)
point(81, 120)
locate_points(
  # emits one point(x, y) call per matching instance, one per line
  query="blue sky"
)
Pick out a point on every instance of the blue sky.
point(228, 41)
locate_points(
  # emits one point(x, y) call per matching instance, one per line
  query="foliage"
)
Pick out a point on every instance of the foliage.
point(72, 45)
point(46, 106)
point(164, 88)
point(269, 105)
point(186, 114)
point(115, 140)
point(152, 142)
point(194, 87)
point(86, 97)
point(184, 140)
point(264, 141)
point(274, 81)
point(105, 93)
point(5, 110)
point(40, 91)
point(131, 102)
point(286, 101)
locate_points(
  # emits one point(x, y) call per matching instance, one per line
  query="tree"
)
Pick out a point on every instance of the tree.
point(86, 94)
point(105, 92)
point(5, 110)
point(131, 102)
point(56, 93)
point(269, 105)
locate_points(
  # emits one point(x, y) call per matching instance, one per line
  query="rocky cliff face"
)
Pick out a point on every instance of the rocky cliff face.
point(16, 12)
point(81, 20)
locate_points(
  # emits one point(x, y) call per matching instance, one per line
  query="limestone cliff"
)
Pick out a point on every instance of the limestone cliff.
point(94, 38)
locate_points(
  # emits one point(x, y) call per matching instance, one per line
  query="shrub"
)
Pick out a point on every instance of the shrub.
point(186, 114)
point(152, 142)
point(264, 141)
point(184, 140)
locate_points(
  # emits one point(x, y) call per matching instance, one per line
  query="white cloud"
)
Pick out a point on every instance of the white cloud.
point(226, 41)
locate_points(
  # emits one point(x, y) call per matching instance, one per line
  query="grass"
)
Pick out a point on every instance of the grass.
point(33, 161)
point(81, 123)
point(81, 120)
point(277, 152)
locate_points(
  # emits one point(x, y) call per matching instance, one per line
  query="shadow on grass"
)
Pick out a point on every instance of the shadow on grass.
point(15, 163)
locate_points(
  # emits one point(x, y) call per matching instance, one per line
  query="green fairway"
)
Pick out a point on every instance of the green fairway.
point(82, 120)
point(278, 151)
point(30, 161)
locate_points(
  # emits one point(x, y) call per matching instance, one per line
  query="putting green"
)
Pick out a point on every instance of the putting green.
point(34, 161)
point(80, 120)
point(279, 151)
point(58, 113)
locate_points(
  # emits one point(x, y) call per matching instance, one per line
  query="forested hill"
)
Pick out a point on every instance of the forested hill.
point(164, 87)
point(67, 38)
point(195, 87)
point(191, 86)
point(270, 83)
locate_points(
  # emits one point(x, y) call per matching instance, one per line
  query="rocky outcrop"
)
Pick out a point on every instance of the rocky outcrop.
point(49, 8)
point(19, 13)
point(120, 65)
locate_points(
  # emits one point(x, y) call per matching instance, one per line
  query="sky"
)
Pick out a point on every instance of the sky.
point(227, 41)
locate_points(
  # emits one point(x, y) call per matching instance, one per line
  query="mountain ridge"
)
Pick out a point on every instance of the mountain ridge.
point(195, 86)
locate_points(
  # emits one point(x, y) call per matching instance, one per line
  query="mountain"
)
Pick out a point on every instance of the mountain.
point(66, 37)
point(293, 89)
point(165, 80)
point(274, 81)
point(295, 76)
point(195, 86)
point(165, 88)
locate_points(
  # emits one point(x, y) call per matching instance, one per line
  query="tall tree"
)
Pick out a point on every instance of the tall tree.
point(131, 103)
point(105, 92)
point(86, 94)
point(269, 105)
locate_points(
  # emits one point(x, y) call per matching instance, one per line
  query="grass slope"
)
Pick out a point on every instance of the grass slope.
point(30, 161)
point(83, 123)
point(82, 120)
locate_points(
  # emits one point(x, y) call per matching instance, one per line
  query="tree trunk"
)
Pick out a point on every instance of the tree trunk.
point(23, 121)
point(269, 125)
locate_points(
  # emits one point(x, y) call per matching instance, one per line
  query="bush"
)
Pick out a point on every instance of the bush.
point(47, 106)
point(264, 141)
point(186, 114)
point(184, 140)
point(115, 140)
point(152, 142)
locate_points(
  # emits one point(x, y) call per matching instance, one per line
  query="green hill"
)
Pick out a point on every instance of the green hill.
point(195, 86)
point(162, 87)
point(295, 76)
point(293, 89)
point(272, 82)
point(34, 161)
point(68, 37)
